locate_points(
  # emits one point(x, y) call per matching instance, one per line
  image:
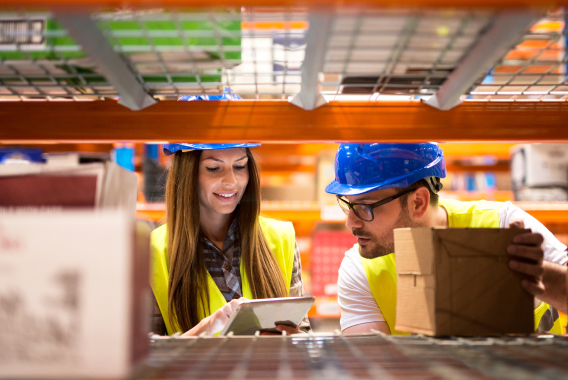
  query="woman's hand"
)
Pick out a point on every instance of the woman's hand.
point(216, 321)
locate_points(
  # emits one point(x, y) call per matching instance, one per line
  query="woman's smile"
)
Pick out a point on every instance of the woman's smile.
point(226, 197)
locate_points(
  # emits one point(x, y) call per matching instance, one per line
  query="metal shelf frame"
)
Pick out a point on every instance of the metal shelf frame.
point(280, 121)
point(424, 53)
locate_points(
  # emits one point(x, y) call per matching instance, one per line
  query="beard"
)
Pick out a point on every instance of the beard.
point(384, 244)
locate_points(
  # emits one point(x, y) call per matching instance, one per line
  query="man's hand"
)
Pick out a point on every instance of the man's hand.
point(527, 259)
point(289, 330)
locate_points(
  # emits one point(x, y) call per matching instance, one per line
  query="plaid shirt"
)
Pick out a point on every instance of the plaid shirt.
point(224, 267)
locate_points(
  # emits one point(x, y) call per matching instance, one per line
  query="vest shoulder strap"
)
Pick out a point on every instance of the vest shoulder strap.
point(159, 275)
point(476, 214)
point(281, 239)
point(381, 273)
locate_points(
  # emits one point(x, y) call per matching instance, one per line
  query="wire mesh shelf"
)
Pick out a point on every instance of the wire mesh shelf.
point(258, 53)
point(534, 70)
point(399, 53)
point(365, 356)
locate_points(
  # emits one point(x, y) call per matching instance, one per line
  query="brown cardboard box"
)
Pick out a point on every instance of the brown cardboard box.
point(457, 282)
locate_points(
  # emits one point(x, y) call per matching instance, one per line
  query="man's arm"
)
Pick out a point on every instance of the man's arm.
point(367, 327)
point(543, 279)
point(554, 280)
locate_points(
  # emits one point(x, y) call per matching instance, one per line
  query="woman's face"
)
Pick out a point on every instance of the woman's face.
point(223, 178)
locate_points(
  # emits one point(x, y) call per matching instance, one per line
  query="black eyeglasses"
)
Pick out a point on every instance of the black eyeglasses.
point(365, 212)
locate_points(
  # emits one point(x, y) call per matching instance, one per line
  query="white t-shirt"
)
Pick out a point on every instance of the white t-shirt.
point(354, 294)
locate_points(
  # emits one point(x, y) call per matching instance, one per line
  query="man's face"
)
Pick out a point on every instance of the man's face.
point(376, 238)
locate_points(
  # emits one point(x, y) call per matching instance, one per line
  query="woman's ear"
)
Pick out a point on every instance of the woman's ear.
point(418, 202)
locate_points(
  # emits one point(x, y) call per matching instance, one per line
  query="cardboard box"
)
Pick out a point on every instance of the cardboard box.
point(74, 294)
point(457, 282)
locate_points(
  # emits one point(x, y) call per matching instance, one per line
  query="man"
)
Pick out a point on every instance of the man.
point(386, 186)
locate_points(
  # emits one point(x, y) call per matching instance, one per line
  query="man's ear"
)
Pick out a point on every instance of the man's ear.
point(418, 202)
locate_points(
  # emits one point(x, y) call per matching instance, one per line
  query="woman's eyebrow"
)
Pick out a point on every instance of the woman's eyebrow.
point(216, 159)
point(212, 158)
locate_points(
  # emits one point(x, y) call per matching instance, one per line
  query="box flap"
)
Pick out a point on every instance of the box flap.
point(471, 242)
point(414, 251)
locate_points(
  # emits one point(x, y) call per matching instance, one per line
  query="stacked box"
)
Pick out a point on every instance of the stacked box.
point(457, 282)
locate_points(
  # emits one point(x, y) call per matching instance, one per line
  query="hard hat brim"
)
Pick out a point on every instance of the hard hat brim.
point(170, 149)
point(337, 188)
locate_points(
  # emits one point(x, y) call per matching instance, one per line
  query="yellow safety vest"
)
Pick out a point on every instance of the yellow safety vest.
point(280, 237)
point(381, 271)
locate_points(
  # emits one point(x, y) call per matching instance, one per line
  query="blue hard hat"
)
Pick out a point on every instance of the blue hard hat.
point(170, 149)
point(361, 168)
point(228, 94)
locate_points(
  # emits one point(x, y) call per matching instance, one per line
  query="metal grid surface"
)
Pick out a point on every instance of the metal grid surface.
point(169, 52)
point(365, 356)
point(535, 69)
point(399, 53)
point(258, 53)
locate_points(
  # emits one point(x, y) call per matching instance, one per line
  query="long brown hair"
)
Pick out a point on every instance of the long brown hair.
point(188, 290)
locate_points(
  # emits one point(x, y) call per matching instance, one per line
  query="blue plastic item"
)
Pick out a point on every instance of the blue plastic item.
point(20, 154)
point(361, 168)
point(124, 156)
point(170, 149)
point(152, 151)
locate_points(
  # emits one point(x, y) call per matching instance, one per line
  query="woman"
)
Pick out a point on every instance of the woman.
point(215, 247)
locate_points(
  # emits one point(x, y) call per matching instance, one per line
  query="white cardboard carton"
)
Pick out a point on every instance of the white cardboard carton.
point(68, 293)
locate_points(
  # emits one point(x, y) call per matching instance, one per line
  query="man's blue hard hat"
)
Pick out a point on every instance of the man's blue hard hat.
point(228, 94)
point(170, 149)
point(361, 168)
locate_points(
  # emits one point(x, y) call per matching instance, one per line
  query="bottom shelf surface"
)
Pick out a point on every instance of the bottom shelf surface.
point(362, 356)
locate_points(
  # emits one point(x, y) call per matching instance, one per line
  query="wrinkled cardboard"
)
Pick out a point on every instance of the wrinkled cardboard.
point(457, 282)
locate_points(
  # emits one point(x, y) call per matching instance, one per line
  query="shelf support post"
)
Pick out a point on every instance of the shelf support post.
point(94, 43)
point(506, 30)
point(317, 39)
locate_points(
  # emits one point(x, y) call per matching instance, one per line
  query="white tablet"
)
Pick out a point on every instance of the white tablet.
point(264, 314)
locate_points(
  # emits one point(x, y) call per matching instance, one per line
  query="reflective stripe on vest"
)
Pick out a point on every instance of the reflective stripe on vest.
point(280, 237)
point(547, 319)
point(381, 271)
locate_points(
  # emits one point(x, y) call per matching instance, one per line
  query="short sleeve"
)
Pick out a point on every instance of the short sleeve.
point(354, 293)
point(554, 250)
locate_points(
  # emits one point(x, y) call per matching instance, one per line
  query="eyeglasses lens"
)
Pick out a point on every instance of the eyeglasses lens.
point(363, 212)
point(344, 205)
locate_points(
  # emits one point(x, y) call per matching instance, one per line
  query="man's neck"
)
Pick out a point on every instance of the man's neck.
point(439, 217)
point(435, 216)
